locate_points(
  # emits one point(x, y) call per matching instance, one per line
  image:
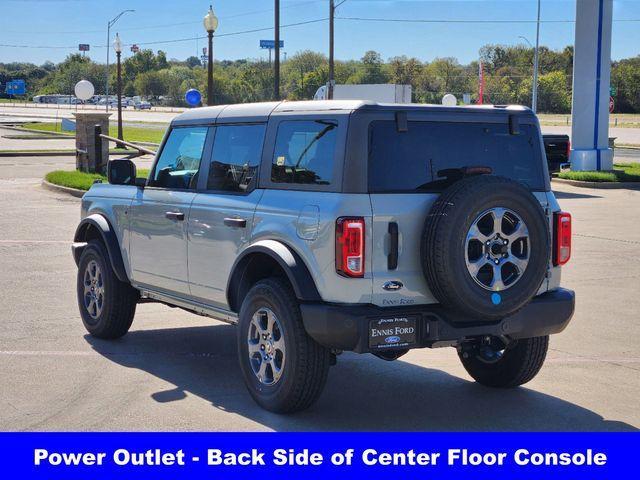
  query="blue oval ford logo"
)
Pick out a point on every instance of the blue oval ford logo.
point(392, 339)
point(392, 285)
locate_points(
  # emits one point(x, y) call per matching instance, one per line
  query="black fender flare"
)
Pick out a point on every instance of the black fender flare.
point(98, 223)
point(289, 261)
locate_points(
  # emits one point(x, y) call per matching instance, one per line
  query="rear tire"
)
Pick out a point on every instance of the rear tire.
point(107, 305)
point(515, 366)
point(286, 370)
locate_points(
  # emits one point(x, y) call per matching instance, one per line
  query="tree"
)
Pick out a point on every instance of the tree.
point(625, 77)
point(553, 94)
point(73, 69)
point(372, 69)
point(193, 62)
point(150, 84)
point(508, 76)
point(161, 60)
point(304, 72)
point(405, 71)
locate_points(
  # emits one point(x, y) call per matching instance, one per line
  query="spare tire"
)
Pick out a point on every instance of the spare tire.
point(485, 247)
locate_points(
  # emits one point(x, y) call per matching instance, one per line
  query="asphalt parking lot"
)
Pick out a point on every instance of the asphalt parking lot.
point(176, 371)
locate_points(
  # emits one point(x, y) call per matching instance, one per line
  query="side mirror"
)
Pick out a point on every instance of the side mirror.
point(121, 172)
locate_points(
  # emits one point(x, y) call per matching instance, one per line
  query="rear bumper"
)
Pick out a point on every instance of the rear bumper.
point(346, 327)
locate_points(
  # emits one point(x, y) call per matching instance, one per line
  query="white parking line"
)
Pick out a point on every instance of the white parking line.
point(20, 242)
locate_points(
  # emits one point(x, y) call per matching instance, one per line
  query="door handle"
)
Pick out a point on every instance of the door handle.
point(178, 216)
point(392, 258)
point(235, 222)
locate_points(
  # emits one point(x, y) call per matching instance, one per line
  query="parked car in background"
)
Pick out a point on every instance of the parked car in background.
point(142, 105)
point(557, 148)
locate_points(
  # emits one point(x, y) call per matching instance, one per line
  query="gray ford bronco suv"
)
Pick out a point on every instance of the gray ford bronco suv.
point(328, 226)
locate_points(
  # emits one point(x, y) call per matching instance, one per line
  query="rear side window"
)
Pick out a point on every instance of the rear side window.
point(410, 161)
point(304, 152)
point(236, 155)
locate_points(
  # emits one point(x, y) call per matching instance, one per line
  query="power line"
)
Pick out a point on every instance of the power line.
point(241, 32)
point(169, 25)
point(177, 40)
point(307, 22)
point(417, 20)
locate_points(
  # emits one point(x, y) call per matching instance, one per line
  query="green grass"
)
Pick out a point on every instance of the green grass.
point(81, 180)
point(131, 134)
point(622, 172)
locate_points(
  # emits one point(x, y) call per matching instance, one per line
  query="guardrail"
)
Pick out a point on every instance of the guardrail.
point(99, 137)
point(117, 141)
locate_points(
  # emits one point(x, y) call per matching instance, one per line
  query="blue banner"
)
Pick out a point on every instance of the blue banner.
point(318, 455)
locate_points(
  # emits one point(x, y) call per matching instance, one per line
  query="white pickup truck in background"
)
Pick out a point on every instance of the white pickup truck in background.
point(381, 93)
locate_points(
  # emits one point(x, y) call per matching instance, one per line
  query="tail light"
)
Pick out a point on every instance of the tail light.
point(562, 233)
point(350, 246)
point(568, 150)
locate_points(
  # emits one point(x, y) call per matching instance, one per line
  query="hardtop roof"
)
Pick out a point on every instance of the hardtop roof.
point(247, 112)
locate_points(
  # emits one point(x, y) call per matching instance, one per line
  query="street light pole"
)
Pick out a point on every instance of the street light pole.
point(110, 24)
point(534, 97)
point(210, 70)
point(117, 46)
point(210, 25)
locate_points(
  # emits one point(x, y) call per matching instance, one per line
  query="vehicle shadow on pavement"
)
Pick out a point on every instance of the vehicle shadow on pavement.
point(362, 393)
point(573, 195)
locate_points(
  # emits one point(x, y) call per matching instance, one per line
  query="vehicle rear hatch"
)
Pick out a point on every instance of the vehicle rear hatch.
point(406, 160)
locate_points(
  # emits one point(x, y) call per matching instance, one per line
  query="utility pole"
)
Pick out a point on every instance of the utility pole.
point(276, 60)
point(534, 97)
point(332, 12)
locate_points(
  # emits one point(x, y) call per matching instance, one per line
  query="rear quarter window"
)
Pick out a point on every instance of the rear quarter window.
point(410, 161)
point(304, 152)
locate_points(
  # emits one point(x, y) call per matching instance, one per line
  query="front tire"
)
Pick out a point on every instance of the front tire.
point(515, 365)
point(107, 305)
point(284, 369)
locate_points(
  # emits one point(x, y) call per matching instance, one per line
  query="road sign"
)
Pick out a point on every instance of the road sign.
point(135, 48)
point(16, 87)
point(270, 44)
point(613, 91)
point(611, 104)
point(83, 47)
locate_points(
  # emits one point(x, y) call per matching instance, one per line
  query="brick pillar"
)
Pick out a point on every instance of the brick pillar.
point(85, 141)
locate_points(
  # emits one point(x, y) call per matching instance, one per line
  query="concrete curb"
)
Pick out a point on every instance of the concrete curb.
point(59, 188)
point(599, 185)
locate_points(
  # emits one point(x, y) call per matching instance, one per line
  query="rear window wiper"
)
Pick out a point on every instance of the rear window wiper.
point(455, 174)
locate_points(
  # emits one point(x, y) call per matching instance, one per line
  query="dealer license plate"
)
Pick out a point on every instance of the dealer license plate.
point(392, 332)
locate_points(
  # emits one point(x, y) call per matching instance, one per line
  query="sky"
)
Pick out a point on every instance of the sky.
point(48, 30)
